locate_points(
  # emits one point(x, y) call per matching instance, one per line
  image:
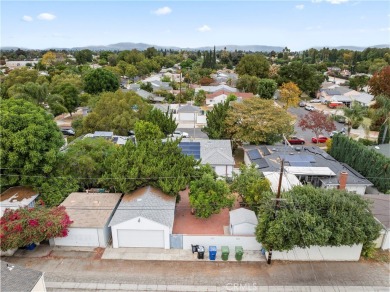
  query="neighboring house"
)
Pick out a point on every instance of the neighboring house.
point(220, 96)
point(119, 140)
point(144, 218)
point(17, 197)
point(18, 278)
point(18, 64)
point(347, 100)
point(212, 89)
point(90, 213)
point(380, 208)
point(217, 153)
point(364, 99)
point(188, 113)
point(309, 164)
point(159, 85)
point(288, 181)
point(242, 222)
point(149, 96)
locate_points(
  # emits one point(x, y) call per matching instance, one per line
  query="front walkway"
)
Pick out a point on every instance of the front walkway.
point(158, 254)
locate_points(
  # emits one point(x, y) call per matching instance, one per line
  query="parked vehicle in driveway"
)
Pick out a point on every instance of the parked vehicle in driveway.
point(315, 100)
point(302, 104)
point(335, 104)
point(179, 134)
point(321, 139)
point(295, 140)
point(310, 108)
point(342, 131)
point(68, 132)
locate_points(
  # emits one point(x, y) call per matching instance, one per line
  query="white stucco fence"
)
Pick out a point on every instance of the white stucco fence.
point(320, 253)
point(247, 242)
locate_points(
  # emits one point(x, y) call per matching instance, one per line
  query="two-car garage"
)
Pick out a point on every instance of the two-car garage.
point(140, 238)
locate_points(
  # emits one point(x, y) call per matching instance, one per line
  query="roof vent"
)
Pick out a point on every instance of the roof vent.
point(298, 149)
point(139, 200)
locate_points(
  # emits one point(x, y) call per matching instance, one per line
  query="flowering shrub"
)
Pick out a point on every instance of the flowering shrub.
point(32, 225)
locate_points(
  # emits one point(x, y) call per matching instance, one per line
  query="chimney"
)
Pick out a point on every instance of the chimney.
point(343, 180)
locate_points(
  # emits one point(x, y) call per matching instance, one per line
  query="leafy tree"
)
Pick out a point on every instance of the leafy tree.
point(317, 122)
point(30, 91)
point(377, 65)
point(56, 187)
point(204, 81)
point(290, 94)
point(30, 143)
point(100, 80)
point(247, 83)
point(253, 65)
point(65, 77)
point(358, 82)
point(355, 115)
point(150, 162)
point(115, 111)
point(83, 56)
point(381, 111)
point(18, 76)
point(216, 127)
point(257, 121)
point(379, 84)
point(147, 86)
point(304, 75)
point(70, 96)
point(49, 59)
point(164, 121)
point(314, 216)
point(250, 184)
point(166, 79)
point(208, 196)
point(85, 159)
point(56, 104)
point(131, 71)
point(200, 98)
point(267, 88)
point(147, 131)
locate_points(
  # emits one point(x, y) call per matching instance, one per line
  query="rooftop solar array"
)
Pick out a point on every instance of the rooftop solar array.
point(298, 158)
point(254, 154)
point(265, 150)
point(261, 163)
point(190, 148)
point(300, 163)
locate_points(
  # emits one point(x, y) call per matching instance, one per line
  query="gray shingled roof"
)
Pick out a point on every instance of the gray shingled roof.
point(216, 152)
point(383, 149)
point(147, 202)
point(188, 108)
point(380, 208)
point(17, 278)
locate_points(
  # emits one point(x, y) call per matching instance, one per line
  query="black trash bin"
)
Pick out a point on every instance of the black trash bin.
point(201, 252)
point(194, 248)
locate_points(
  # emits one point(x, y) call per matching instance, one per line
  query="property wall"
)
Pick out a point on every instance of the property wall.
point(380, 240)
point(79, 237)
point(360, 190)
point(201, 120)
point(143, 224)
point(189, 117)
point(40, 286)
point(246, 159)
point(243, 229)
point(386, 240)
point(247, 242)
point(224, 170)
point(320, 253)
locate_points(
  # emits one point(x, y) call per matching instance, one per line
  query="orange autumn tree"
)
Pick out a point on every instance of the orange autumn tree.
point(290, 94)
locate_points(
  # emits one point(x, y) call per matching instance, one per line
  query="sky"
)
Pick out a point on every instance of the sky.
point(298, 25)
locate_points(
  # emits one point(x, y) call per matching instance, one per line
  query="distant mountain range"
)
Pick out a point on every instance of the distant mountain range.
point(143, 46)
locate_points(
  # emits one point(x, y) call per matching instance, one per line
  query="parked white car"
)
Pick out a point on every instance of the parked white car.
point(310, 108)
point(179, 134)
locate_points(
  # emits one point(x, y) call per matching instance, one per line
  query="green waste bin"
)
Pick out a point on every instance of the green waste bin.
point(239, 253)
point(225, 253)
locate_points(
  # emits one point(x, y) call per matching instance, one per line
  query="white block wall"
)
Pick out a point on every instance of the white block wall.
point(247, 242)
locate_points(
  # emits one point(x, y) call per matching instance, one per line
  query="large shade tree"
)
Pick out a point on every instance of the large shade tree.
point(379, 84)
point(216, 126)
point(99, 80)
point(267, 88)
point(253, 65)
point(257, 121)
point(317, 122)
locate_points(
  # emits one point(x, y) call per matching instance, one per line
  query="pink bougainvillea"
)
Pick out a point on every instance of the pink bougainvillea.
point(32, 225)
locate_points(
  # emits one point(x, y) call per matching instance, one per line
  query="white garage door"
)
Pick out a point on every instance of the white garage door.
point(140, 238)
point(79, 237)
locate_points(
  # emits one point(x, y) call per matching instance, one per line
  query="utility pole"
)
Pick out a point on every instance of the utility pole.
point(277, 204)
point(180, 89)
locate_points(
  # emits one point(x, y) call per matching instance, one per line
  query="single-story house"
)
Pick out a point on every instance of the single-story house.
point(220, 96)
point(212, 89)
point(288, 181)
point(18, 278)
point(347, 100)
point(18, 64)
point(144, 218)
point(119, 140)
point(18, 197)
point(242, 222)
point(91, 214)
point(364, 99)
point(380, 208)
point(309, 164)
point(217, 153)
point(188, 113)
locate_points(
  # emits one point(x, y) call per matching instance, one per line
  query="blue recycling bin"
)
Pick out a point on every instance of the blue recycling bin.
point(212, 253)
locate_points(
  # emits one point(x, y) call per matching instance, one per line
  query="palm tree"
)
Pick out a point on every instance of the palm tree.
point(355, 115)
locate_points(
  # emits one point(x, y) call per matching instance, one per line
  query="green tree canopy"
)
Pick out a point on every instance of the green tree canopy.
point(30, 143)
point(247, 83)
point(164, 121)
point(70, 94)
point(18, 76)
point(83, 56)
point(151, 162)
point(145, 131)
point(216, 127)
point(258, 121)
point(253, 65)
point(115, 111)
point(267, 88)
point(99, 80)
point(314, 216)
point(208, 196)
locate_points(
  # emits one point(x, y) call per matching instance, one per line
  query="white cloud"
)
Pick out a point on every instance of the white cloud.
point(330, 1)
point(162, 11)
point(385, 29)
point(204, 28)
point(300, 6)
point(46, 16)
point(27, 18)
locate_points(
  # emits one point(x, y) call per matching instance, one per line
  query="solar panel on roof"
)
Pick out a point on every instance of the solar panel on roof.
point(265, 150)
point(300, 163)
point(254, 154)
point(190, 148)
point(262, 163)
point(298, 158)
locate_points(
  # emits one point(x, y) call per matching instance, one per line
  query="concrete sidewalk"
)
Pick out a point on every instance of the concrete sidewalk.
point(158, 254)
point(72, 286)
